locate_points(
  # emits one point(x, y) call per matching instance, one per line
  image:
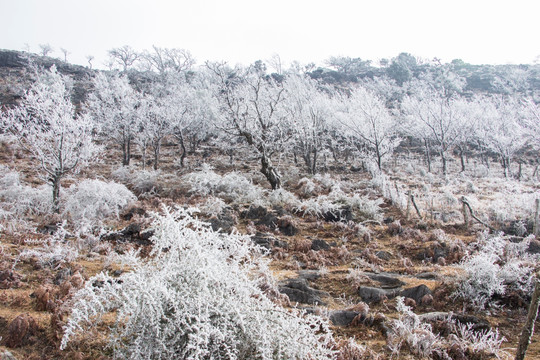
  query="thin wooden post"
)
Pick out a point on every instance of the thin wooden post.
point(465, 212)
point(408, 211)
point(416, 206)
point(536, 230)
point(528, 329)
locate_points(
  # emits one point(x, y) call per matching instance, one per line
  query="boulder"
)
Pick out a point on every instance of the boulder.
point(318, 244)
point(299, 291)
point(372, 294)
point(343, 317)
point(416, 293)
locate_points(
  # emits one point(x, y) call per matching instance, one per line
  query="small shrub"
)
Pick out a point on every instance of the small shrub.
point(92, 201)
point(496, 267)
point(197, 296)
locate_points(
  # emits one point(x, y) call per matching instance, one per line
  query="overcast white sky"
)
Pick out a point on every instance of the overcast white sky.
point(242, 31)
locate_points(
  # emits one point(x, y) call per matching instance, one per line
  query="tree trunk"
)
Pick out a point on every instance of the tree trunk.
point(444, 167)
point(144, 156)
point(270, 172)
point(314, 162)
point(428, 155)
point(157, 149)
point(528, 329)
point(462, 158)
point(126, 152)
point(55, 180)
point(307, 160)
point(183, 147)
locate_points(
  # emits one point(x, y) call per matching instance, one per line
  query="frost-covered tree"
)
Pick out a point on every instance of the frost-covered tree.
point(310, 107)
point(252, 107)
point(124, 57)
point(367, 122)
point(436, 118)
point(502, 128)
point(46, 124)
point(199, 295)
point(164, 60)
point(115, 105)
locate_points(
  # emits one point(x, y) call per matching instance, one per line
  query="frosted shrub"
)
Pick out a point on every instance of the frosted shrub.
point(91, 201)
point(496, 268)
point(197, 296)
point(231, 187)
point(145, 181)
point(212, 206)
point(18, 200)
point(282, 197)
point(410, 330)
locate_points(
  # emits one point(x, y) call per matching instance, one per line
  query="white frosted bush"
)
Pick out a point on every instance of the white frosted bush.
point(197, 296)
point(495, 268)
point(92, 201)
point(17, 199)
point(231, 187)
point(409, 329)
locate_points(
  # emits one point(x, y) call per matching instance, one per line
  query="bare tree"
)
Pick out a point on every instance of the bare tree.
point(65, 52)
point(90, 58)
point(45, 49)
point(124, 56)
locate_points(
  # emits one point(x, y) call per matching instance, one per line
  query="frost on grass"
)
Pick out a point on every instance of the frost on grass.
point(496, 267)
point(197, 296)
point(462, 341)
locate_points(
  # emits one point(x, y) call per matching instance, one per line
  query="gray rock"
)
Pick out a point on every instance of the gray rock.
point(371, 294)
point(427, 276)
point(342, 317)
point(384, 255)
point(309, 274)
point(299, 291)
point(318, 244)
point(534, 247)
point(387, 281)
point(416, 293)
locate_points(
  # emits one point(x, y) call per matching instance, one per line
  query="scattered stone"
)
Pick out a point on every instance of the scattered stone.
point(342, 215)
point(371, 294)
point(343, 317)
point(427, 276)
point(387, 281)
point(309, 274)
point(299, 291)
point(223, 222)
point(384, 255)
point(319, 244)
point(416, 293)
point(268, 241)
point(534, 247)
